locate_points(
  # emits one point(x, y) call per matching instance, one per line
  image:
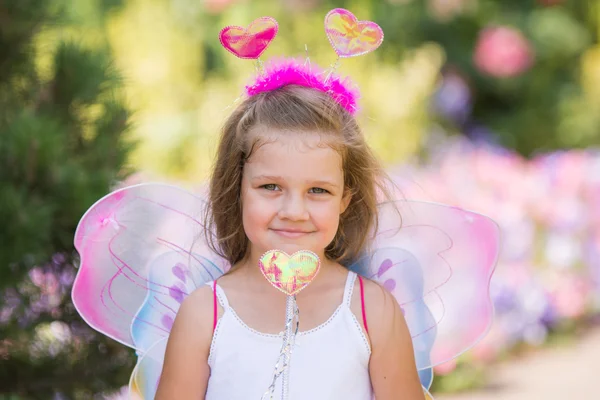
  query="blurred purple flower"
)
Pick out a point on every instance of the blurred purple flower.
point(11, 297)
point(6, 314)
point(453, 98)
point(37, 276)
point(503, 298)
point(67, 277)
point(592, 258)
point(481, 135)
point(58, 259)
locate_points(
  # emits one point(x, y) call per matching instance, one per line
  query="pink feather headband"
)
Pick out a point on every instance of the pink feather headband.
point(348, 37)
point(288, 71)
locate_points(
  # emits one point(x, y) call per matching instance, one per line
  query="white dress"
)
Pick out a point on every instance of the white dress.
point(328, 362)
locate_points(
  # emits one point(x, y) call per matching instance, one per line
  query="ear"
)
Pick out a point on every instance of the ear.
point(345, 201)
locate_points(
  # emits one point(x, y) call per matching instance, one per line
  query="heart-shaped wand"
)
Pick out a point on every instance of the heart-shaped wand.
point(289, 274)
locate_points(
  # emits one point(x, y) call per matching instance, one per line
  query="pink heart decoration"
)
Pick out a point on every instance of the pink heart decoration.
point(251, 42)
point(350, 37)
point(289, 274)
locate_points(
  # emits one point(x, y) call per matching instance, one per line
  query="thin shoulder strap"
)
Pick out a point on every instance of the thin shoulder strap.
point(348, 295)
point(362, 303)
point(349, 288)
point(218, 298)
point(215, 308)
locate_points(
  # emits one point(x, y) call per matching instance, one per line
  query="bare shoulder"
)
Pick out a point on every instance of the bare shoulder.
point(185, 370)
point(376, 294)
point(378, 307)
point(392, 366)
point(201, 298)
point(193, 324)
point(381, 308)
point(197, 308)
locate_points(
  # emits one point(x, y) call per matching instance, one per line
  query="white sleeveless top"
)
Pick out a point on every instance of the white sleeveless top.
point(328, 362)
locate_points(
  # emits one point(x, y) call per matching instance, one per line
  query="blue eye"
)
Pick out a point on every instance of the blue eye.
point(270, 186)
point(317, 190)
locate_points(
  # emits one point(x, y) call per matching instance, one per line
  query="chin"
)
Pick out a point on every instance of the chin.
point(294, 247)
point(289, 247)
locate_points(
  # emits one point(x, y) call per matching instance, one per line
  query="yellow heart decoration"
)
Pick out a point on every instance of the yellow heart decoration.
point(289, 274)
point(350, 37)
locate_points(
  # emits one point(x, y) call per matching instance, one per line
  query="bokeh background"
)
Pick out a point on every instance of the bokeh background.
point(492, 105)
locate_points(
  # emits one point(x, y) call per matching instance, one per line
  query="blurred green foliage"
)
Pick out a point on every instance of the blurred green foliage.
point(63, 143)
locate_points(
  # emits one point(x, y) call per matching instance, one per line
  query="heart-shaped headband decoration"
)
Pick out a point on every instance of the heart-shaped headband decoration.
point(251, 42)
point(348, 36)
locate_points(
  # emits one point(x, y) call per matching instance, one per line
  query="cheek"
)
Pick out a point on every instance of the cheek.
point(327, 219)
point(255, 213)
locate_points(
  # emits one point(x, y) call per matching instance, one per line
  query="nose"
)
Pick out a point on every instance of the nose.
point(293, 207)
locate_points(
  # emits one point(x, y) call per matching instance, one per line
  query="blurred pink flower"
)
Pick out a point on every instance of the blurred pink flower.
point(502, 52)
point(444, 10)
point(569, 294)
point(217, 6)
point(301, 5)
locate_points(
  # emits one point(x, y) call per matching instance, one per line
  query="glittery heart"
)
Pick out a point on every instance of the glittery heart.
point(350, 37)
point(290, 274)
point(251, 42)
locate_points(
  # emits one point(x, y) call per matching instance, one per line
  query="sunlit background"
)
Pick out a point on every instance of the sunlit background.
point(491, 105)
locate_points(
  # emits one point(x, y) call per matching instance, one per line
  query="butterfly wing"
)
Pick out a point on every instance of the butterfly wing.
point(143, 249)
point(437, 261)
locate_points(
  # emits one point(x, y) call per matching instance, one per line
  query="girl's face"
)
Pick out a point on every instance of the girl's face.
point(292, 194)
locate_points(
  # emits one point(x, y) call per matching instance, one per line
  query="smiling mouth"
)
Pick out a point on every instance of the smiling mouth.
point(290, 233)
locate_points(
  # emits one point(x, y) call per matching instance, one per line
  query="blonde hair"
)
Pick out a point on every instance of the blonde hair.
point(298, 109)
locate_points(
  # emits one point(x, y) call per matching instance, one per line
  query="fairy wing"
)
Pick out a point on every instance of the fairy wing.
point(437, 261)
point(143, 249)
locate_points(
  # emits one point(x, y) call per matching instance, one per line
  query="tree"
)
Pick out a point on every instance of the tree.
point(63, 143)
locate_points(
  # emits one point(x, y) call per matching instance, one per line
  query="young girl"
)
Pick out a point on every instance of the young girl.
point(293, 172)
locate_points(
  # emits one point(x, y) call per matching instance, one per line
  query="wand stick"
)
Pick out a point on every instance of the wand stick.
point(289, 274)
